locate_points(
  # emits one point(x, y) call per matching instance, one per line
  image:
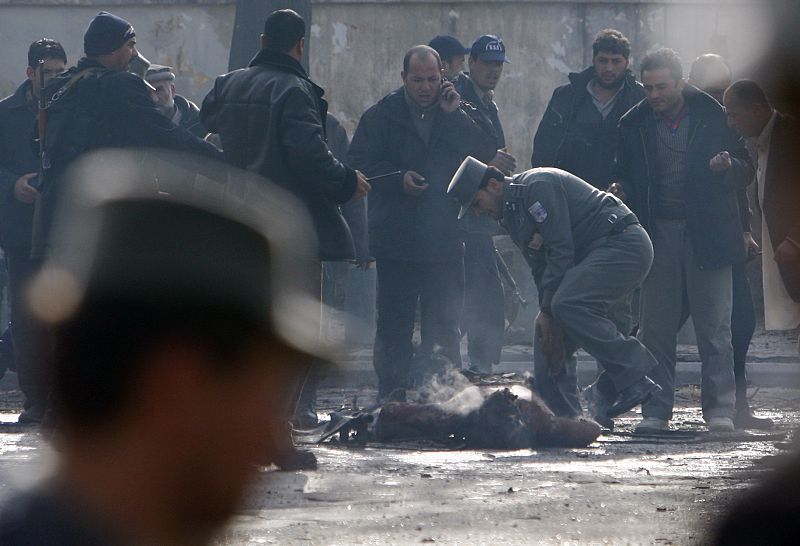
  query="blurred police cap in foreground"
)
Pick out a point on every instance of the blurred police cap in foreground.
point(220, 237)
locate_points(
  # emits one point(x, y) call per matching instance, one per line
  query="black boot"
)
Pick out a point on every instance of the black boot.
point(745, 419)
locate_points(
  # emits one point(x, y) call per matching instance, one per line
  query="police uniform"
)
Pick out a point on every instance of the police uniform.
point(587, 251)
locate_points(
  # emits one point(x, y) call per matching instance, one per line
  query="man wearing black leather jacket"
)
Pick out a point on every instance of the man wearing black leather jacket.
point(271, 120)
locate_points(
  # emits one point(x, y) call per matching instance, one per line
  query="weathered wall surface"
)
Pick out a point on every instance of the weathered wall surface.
point(357, 46)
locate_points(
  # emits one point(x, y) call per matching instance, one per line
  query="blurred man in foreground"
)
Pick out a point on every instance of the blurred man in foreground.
point(174, 359)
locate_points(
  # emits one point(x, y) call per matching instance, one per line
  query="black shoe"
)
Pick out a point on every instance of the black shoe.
point(598, 406)
point(630, 397)
point(745, 419)
point(296, 459)
point(31, 415)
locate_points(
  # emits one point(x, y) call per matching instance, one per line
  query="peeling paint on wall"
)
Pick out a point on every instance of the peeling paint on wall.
point(557, 64)
point(315, 30)
point(339, 37)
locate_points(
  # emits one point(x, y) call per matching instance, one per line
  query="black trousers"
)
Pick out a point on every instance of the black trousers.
point(483, 321)
point(31, 344)
point(439, 290)
point(743, 324)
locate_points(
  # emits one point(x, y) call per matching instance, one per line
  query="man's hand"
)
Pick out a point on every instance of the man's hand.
point(362, 186)
point(615, 189)
point(23, 191)
point(450, 99)
point(546, 328)
point(720, 162)
point(504, 161)
point(787, 252)
point(751, 247)
point(411, 185)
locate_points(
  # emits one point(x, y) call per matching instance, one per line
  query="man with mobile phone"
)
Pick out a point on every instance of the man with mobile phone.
point(424, 131)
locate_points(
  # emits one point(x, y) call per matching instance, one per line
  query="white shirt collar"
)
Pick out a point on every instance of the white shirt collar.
point(762, 142)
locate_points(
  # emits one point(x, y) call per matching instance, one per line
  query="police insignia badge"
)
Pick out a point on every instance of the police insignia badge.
point(538, 212)
point(536, 241)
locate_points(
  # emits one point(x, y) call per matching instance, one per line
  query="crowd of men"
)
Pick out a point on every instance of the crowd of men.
point(634, 218)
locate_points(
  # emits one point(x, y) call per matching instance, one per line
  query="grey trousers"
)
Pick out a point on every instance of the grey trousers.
point(709, 294)
point(582, 305)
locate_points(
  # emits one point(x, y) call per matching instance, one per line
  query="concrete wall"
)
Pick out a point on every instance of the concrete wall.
point(357, 46)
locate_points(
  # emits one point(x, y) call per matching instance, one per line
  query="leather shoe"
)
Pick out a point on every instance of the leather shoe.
point(598, 406)
point(630, 397)
point(745, 419)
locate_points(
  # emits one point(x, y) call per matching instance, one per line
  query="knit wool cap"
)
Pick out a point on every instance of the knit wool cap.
point(158, 73)
point(106, 33)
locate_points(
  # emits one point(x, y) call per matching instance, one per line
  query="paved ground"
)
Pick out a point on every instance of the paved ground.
point(619, 490)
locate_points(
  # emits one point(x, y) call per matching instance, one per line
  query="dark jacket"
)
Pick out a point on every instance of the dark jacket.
point(424, 228)
point(712, 213)
point(104, 109)
point(486, 116)
point(491, 119)
point(558, 143)
point(17, 157)
point(190, 117)
point(270, 118)
point(781, 205)
point(355, 210)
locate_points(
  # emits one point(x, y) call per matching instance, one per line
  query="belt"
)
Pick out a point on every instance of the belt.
point(618, 225)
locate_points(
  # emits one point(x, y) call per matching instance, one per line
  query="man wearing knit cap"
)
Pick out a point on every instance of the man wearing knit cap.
point(97, 104)
point(176, 108)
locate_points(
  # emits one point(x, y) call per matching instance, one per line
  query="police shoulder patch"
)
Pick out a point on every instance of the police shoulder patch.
point(538, 212)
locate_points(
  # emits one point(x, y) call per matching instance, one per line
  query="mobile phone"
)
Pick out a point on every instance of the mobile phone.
point(35, 183)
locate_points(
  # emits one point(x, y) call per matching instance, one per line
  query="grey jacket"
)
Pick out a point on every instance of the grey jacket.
point(555, 219)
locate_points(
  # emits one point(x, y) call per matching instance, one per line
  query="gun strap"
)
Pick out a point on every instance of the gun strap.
point(70, 83)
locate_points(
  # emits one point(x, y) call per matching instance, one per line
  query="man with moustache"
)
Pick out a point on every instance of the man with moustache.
point(679, 168)
point(712, 74)
point(423, 131)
